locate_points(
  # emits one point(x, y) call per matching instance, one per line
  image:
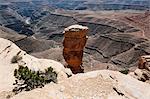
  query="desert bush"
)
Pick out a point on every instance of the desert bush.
point(15, 59)
point(125, 71)
point(27, 79)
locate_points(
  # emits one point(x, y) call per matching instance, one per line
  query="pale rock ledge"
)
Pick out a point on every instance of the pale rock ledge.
point(8, 50)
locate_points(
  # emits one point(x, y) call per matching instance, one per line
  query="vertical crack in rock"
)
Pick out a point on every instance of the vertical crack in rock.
point(119, 93)
point(6, 48)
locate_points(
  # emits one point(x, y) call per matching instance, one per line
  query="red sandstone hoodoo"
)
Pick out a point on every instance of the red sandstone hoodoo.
point(74, 41)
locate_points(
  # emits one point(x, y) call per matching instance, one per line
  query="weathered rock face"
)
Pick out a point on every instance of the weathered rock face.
point(92, 85)
point(8, 50)
point(74, 42)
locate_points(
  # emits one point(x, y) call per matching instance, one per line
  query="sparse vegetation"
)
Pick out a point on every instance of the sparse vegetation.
point(28, 79)
point(125, 71)
point(15, 59)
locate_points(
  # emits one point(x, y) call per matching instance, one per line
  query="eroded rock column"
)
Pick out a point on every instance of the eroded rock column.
point(74, 41)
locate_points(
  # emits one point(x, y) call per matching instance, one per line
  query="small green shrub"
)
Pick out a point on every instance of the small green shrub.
point(15, 59)
point(125, 71)
point(28, 79)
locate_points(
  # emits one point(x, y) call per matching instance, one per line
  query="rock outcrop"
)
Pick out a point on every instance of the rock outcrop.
point(144, 62)
point(142, 73)
point(74, 43)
